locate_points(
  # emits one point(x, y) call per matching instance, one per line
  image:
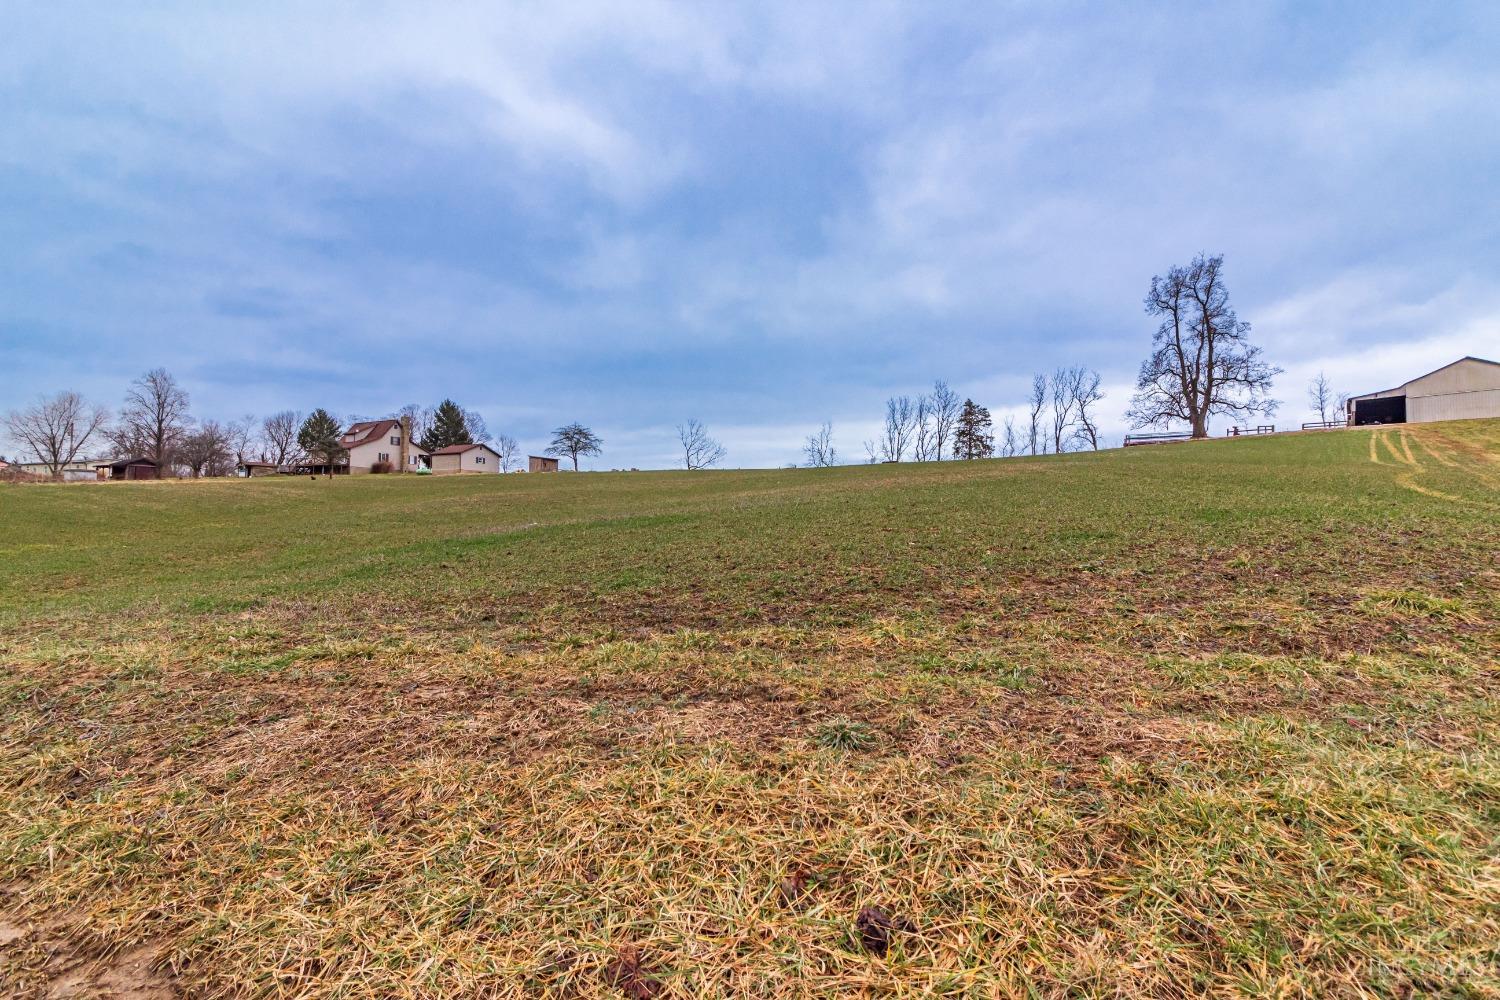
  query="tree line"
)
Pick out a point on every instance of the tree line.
point(155, 422)
point(939, 425)
point(1201, 365)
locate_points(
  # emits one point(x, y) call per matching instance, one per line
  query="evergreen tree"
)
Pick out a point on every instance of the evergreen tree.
point(319, 439)
point(971, 435)
point(449, 426)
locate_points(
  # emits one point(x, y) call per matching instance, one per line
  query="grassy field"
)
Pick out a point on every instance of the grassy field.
point(1212, 718)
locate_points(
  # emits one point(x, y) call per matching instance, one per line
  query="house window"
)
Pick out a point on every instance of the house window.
point(385, 456)
point(478, 459)
point(395, 440)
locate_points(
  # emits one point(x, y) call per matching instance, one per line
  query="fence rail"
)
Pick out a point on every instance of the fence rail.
point(1132, 440)
point(1261, 429)
point(1325, 425)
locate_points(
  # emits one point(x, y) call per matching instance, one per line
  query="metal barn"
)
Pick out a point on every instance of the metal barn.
point(1469, 387)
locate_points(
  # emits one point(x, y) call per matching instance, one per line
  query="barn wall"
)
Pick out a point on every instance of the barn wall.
point(1453, 406)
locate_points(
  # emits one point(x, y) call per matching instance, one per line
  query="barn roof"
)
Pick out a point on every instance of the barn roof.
point(1418, 378)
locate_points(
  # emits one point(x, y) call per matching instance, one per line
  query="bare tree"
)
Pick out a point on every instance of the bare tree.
point(56, 430)
point(1060, 393)
point(1203, 362)
point(420, 417)
point(924, 435)
point(474, 424)
point(574, 440)
point(510, 452)
point(1341, 406)
point(154, 418)
point(279, 435)
point(1009, 443)
point(206, 451)
point(1320, 396)
point(819, 448)
point(1037, 402)
point(945, 404)
point(699, 451)
point(900, 427)
point(1083, 386)
point(242, 438)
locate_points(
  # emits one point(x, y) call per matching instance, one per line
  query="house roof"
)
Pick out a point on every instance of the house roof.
point(459, 449)
point(365, 431)
point(120, 463)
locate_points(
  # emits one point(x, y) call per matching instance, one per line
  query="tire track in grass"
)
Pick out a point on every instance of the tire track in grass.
point(1475, 461)
point(1406, 448)
point(1403, 459)
point(1441, 455)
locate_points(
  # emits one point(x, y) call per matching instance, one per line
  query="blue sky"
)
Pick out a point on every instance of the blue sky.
point(760, 216)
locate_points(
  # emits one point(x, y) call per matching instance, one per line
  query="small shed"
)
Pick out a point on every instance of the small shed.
point(248, 470)
point(540, 463)
point(128, 468)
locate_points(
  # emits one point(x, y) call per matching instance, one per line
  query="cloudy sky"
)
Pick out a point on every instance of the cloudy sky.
point(761, 215)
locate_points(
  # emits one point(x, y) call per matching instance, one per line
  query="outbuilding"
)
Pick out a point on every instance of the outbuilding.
point(465, 458)
point(540, 463)
point(1469, 387)
point(128, 468)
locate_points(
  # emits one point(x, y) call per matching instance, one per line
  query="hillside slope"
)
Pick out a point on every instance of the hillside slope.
point(1164, 721)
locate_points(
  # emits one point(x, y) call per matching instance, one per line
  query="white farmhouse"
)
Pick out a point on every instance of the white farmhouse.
point(381, 445)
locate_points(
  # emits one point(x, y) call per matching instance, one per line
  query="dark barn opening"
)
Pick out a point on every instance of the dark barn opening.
point(1385, 410)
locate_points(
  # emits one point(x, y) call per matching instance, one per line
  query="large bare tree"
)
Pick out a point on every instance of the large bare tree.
point(56, 430)
point(819, 448)
point(699, 451)
point(154, 418)
point(207, 450)
point(1202, 363)
point(279, 434)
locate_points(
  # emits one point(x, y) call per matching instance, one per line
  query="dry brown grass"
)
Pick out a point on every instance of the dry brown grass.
point(1192, 757)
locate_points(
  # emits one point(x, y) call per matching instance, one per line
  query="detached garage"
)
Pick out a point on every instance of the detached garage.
point(1469, 387)
point(465, 458)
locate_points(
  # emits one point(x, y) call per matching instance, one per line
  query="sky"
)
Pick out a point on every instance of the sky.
point(761, 216)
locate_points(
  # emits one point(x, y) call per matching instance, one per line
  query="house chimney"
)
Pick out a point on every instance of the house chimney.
point(405, 443)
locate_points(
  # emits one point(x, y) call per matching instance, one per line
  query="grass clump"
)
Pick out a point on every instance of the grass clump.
point(844, 734)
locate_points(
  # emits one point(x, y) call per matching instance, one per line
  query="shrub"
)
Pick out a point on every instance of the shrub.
point(381, 468)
